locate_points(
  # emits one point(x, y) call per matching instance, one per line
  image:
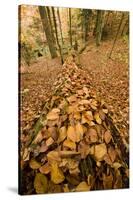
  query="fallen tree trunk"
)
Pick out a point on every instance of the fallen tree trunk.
point(75, 146)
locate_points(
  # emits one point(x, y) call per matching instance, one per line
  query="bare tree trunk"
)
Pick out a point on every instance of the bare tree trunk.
point(56, 33)
point(122, 17)
point(59, 19)
point(47, 30)
point(51, 25)
point(126, 23)
point(70, 26)
point(99, 28)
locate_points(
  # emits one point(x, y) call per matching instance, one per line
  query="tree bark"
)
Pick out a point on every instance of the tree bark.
point(56, 33)
point(99, 28)
point(59, 19)
point(47, 30)
point(70, 27)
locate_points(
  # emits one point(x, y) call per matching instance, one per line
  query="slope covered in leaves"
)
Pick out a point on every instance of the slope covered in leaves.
point(76, 146)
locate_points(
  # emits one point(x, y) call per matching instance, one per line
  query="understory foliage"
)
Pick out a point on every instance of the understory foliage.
point(74, 146)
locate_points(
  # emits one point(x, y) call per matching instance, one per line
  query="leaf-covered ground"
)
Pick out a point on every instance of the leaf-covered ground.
point(77, 148)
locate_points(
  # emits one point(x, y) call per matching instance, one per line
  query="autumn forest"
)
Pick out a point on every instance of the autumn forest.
point(74, 99)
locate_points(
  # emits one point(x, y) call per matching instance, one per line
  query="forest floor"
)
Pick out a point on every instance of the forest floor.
point(110, 79)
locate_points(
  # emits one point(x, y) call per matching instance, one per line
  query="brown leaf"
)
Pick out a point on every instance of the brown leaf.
point(53, 156)
point(82, 187)
point(62, 134)
point(34, 164)
point(53, 114)
point(107, 181)
point(79, 132)
point(65, 154)
point(72, 99)
point(45, 169)
point(71, 133)
point(112, 153)
point(49, 141)
point(93, 135)
point(57, 175)
point(107, 136)
point(100, 151)
point(40, 183)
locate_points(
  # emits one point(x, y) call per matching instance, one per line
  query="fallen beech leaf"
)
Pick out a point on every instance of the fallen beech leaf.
point(105, 111)
point(34, 164)
point(69, 144)
point(93, 135)
point(53, 114)
point(26, 154)
point(43, 148)
point(57, 175)
point(45, 169)
point(52, 133)
point(97, 118)
point(62, 134)
point(116, 165)
point(72, 99)
point(107, 136)
point(40, 183)
point(49, 141)
point(65, 188)
point(79, 132)
point(88, 115)
point(71, 133)
point(53, 155)
point(100, 151)
point(82, 187)
point(112, 153)
point(38, 138)
point(108, 159)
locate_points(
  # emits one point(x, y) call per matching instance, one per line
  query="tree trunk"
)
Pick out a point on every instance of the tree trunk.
point(122, 17)
point(99, 28)
point(51, 25)
point(47, 30)
point(70, 27)
point(56, 33)
point(59, 19)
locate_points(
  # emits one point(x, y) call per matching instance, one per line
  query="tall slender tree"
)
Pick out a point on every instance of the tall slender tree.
point(99, 26)
point(70, 26)
point(59, 19)
point(47, 30)
point(119, 27)
point(56, 33)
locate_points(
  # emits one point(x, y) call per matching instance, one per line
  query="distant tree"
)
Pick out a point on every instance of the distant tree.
point(59, 19)
point(119, 27)
point(70, 26)
point(86, 22)
point(47, 30)
point(99, 26)
point(56, 33)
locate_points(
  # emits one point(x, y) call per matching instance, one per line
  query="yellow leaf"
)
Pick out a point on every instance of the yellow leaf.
point(57, 175)
point(40, 183)
point(97, 118)
point(100, 151)
point(53, 156)
point(34, 164)
point(62, 134)
point(72, 99)
point(69, 144)
point(71, 133)
point(82, 187)
point(49, 141)
point(79, 132)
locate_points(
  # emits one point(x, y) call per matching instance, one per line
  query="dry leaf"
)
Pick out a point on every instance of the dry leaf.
point(93, 135)
point(100, 151)
point(65, 154)
point(107, 181)
point(40, 183)
point(34, 164)
point(53, 114)
point(82, 187)
point(69, 144)
point(79, 132)
point(116, 165)
point(53, 156)
point(72, 99)
point(97, 118)
point(49, 141)
point(62, 134)
point(45, 169)
point(107, 136)
point(112, 153)
point(71, 133)
point(57, 175)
